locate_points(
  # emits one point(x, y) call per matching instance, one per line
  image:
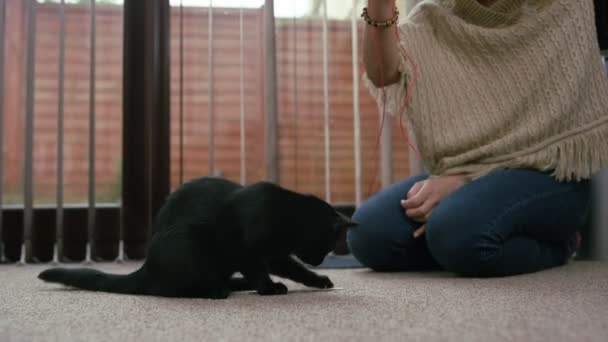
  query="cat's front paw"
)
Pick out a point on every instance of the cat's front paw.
point(322, 282)
point(272, 289)
point(219, 294)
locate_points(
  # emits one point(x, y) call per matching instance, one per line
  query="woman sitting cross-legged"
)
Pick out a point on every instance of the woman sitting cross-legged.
point(510, 115)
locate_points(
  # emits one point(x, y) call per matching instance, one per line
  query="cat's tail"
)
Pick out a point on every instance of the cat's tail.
point(94, 280)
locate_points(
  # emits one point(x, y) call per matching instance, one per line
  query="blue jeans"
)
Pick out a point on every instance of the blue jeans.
point(509, 222)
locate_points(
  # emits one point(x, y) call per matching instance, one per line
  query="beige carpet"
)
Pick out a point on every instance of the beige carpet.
point(565, 304)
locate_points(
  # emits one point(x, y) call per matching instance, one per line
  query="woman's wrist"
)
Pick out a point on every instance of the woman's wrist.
point(380, 10)
point(381, 24)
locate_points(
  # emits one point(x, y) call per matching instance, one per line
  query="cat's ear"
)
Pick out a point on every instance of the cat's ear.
point(344, 222)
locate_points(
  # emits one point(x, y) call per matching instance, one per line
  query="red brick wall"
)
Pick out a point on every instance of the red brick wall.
point(301, 117)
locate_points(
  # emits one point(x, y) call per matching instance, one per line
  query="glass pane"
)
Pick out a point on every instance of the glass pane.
point(300, 100)
point(108, 102)
point(301, 103)
point(226, 89)
point(299, 40)
point(14, 104)
point(195, 93)
point(45, 103)
point(341, 102)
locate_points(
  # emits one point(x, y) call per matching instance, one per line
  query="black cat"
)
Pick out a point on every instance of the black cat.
point(211, 228)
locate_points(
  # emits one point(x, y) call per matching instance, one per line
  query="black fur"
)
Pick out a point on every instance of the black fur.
point(211, 228)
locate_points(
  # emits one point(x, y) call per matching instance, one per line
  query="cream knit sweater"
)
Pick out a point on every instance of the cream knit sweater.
point(517, 85)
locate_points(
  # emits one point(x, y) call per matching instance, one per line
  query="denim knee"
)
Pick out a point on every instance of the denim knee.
point(362, 243)
point(455, 250)
point(369, 244)
point(383, 239)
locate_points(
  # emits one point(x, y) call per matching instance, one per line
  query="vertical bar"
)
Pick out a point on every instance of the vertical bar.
point(356, 111)
point(326, 107)
point(386, 156)
point(2, 42)
point(28, 190)
point(211, 97)
point(135, 173)
point(270, 94)
point(295, 95)
point(60, 115)
point(242, 95)
point(159, 135)
point(92, 72)
point(181, 92)
point(597, 246)
point(147, 132)
point(598, 235)
point(146, 121)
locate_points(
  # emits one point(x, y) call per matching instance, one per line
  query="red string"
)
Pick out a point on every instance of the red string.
point(382, 116)
point(406, 100)
point(409, 93)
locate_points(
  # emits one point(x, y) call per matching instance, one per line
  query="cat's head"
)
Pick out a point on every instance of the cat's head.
point(319, 227)
point(288, 222)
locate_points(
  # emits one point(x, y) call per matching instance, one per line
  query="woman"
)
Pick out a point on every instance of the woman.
point(510, 115)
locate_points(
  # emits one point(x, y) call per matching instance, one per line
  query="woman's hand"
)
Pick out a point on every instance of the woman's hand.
point(426, 195)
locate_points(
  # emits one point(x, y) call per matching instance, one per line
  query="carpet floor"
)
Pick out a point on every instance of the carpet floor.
point(563, 304)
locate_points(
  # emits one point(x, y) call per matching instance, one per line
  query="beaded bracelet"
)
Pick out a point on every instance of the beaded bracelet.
point(380, 24)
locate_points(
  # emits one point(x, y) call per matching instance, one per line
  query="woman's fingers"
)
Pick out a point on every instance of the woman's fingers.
point(414, 190)
point(422, 211)
point(418, 232)
point(417, 199)
point(419, 219)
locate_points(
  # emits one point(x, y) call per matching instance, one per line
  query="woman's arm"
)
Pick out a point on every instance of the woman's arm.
point(383, 40)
